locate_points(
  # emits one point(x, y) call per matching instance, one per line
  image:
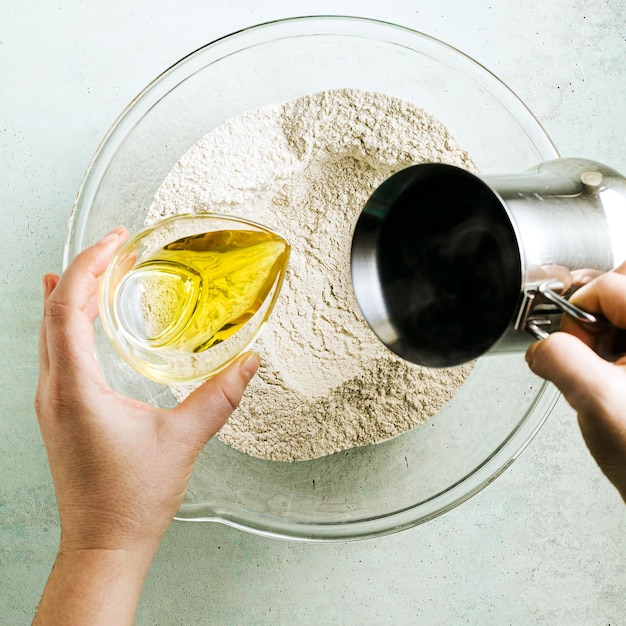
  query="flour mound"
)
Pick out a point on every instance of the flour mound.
point(305, 169)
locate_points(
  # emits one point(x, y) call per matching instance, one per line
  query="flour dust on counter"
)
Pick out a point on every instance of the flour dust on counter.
point(305, 169)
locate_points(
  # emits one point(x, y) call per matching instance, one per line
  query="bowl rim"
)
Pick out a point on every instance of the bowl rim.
point(160, 85)
point(546, 395)
point(488, 471)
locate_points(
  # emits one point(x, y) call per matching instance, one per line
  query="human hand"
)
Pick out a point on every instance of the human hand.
point(594, 386)
point(120, 467)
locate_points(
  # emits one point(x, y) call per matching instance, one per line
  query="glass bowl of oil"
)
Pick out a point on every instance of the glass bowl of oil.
point(184, 298)
point(372, 490)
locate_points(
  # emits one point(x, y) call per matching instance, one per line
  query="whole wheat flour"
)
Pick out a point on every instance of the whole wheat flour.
point(305, 169)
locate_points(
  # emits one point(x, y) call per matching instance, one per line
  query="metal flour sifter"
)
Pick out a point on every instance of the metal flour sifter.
point(448, 266)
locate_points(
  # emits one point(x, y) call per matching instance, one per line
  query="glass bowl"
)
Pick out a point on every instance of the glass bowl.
point(377, 489)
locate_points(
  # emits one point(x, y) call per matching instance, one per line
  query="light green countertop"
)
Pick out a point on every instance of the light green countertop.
point(544, 544)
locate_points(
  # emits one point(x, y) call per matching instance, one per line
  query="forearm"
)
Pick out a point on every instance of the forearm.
point(91, 587)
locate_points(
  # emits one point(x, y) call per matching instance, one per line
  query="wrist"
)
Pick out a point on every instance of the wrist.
point(85, 531)
point(94, 586)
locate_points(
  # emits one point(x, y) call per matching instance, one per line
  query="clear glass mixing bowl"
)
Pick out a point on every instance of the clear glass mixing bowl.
point(366, 491)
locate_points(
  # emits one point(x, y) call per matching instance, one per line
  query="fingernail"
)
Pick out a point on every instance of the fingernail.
point(112, 236)
point(530, 353)
point(44, 284)
point(250, 364)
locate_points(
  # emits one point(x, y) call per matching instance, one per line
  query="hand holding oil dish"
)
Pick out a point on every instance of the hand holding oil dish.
point(182, 299)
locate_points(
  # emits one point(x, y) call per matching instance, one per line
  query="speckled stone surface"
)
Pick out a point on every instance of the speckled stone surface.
point(544, 544)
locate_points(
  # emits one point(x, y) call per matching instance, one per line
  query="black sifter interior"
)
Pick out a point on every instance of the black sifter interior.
point(448, 264)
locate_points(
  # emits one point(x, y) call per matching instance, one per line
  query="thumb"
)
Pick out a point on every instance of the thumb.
point(574, 368)
point(594, 388)
point(206, 410)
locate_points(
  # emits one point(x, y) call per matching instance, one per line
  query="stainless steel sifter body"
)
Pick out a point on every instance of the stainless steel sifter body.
point(448, 266)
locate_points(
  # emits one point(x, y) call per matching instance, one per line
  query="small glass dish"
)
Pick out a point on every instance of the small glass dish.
point(161, 298)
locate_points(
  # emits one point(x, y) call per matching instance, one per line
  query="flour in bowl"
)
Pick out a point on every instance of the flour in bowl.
point(305, 169)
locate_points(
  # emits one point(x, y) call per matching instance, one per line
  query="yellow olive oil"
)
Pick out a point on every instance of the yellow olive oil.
point(198, 291)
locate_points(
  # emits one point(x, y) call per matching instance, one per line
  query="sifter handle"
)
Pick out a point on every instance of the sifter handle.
point(547, 290)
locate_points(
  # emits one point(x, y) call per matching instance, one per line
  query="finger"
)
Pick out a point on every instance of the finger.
point(206, 410)
point(48, 282)
point(69, 308)
point(606, 295)
point(79, 282)
point(574, 368)
point(579, 278)
point(540, 273)
point(621, 269)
